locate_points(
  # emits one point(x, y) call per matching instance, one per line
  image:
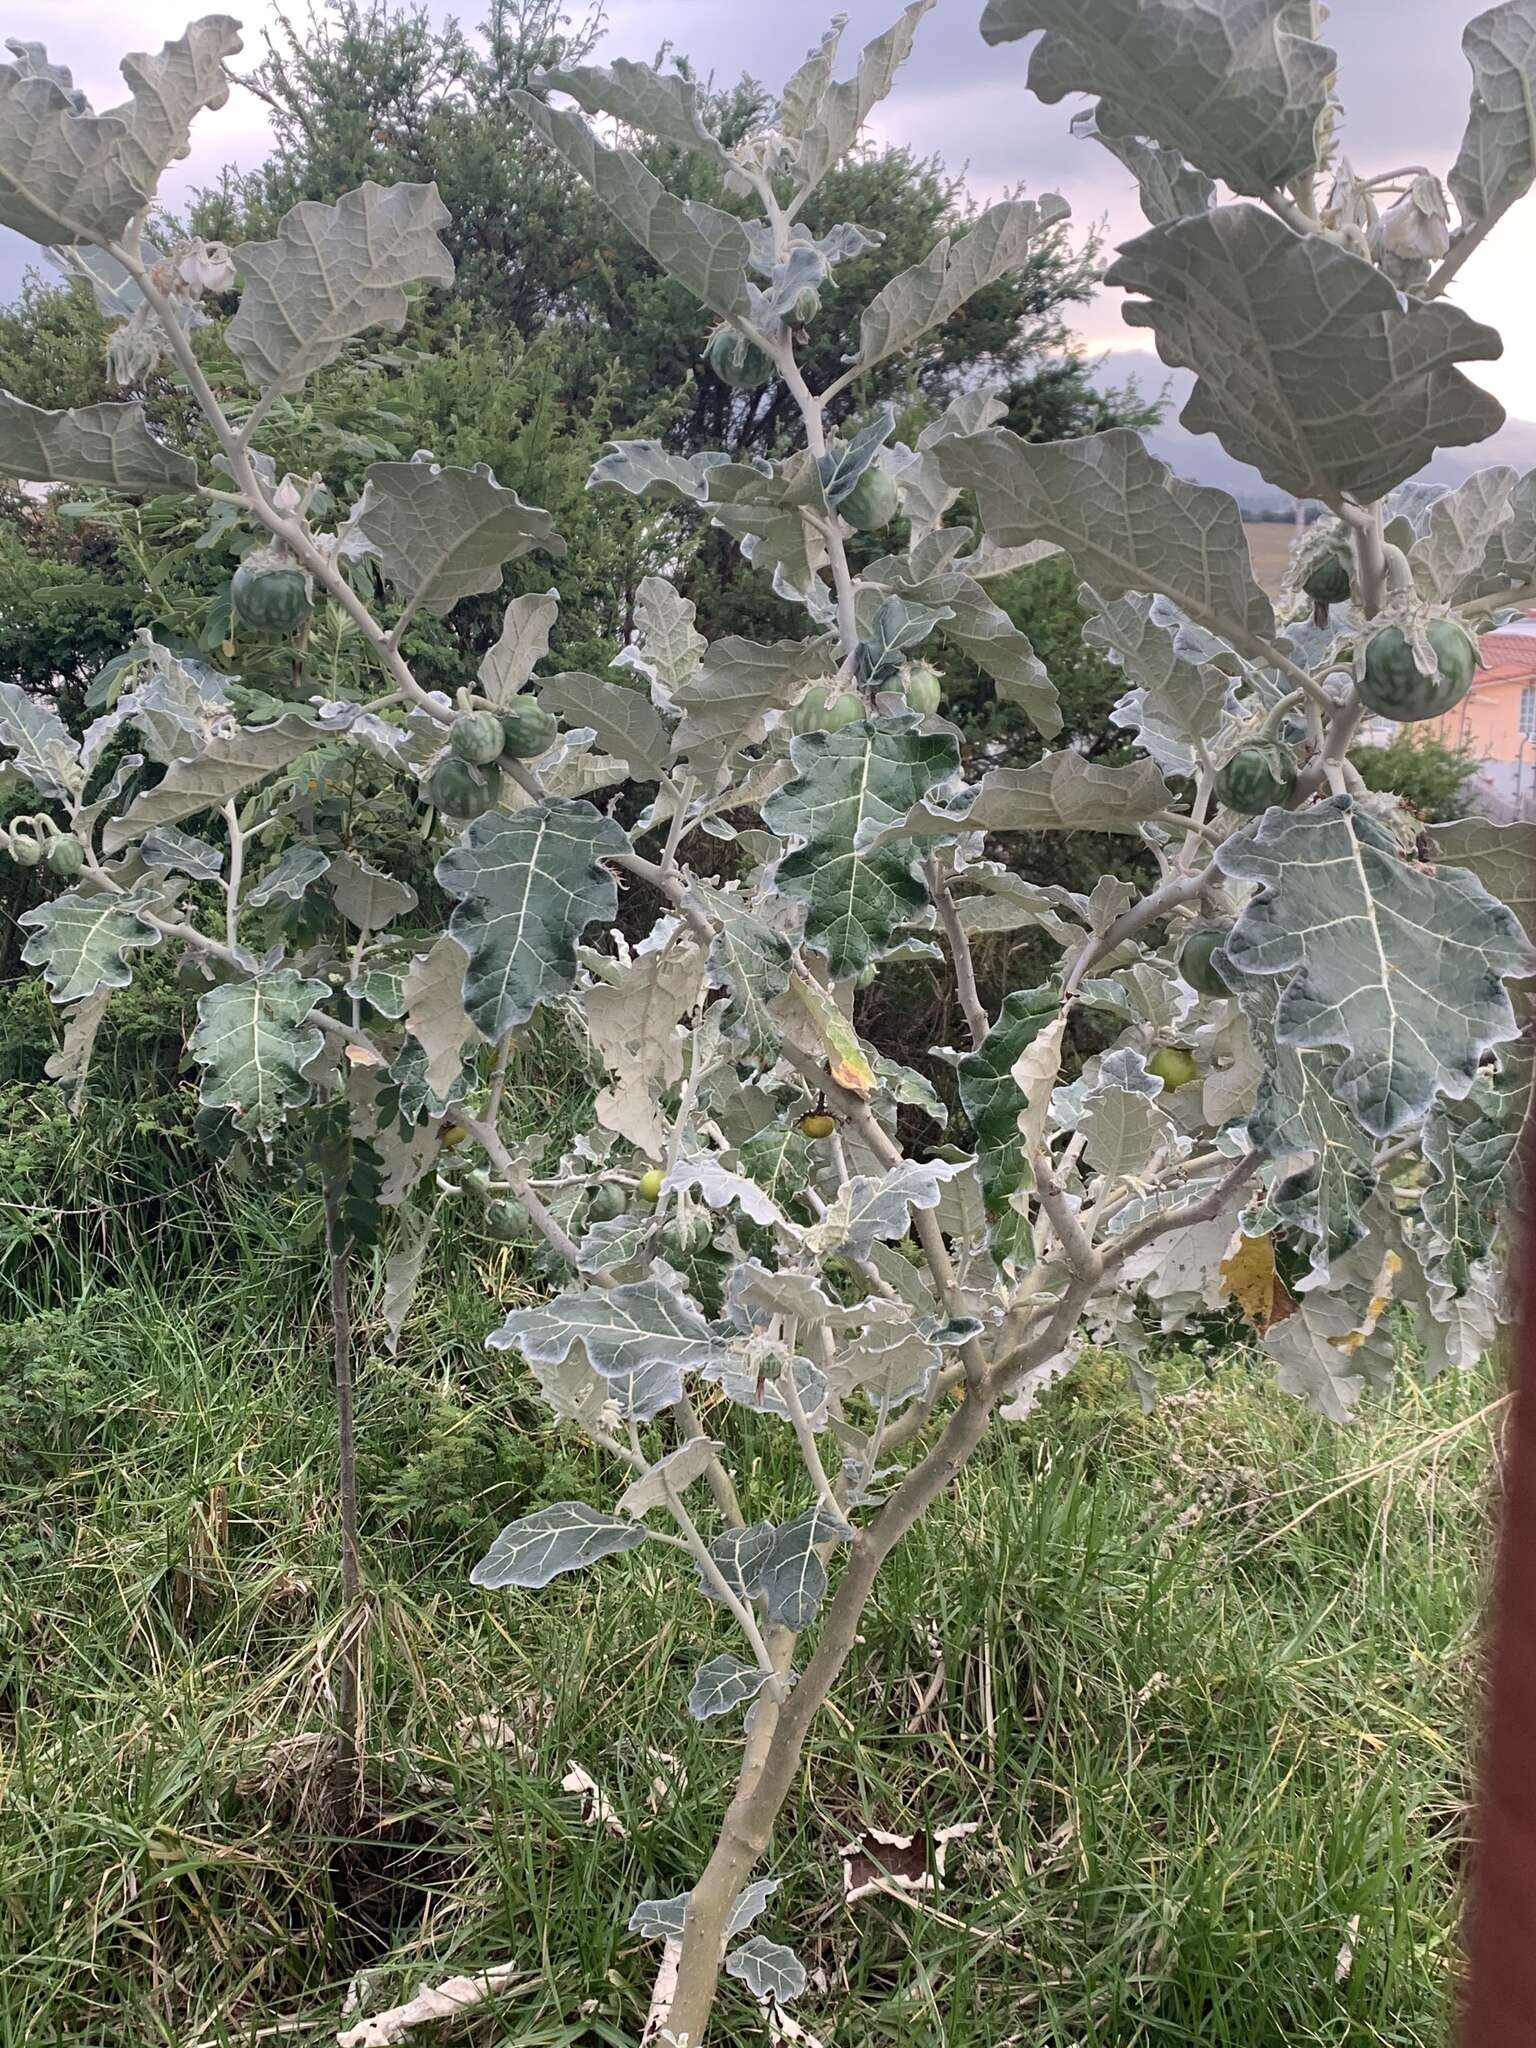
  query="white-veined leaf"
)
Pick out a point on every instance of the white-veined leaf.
point(641, 1338)
point(1401, 970)
point(253, 1040)
point(525, 888)
point(82, 940)
point(552, 1540)
point(768, 1969)
point(1497, 159)
point(723, 1684)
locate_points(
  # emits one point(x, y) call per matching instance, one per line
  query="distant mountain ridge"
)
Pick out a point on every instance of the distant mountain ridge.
point(1203, 460)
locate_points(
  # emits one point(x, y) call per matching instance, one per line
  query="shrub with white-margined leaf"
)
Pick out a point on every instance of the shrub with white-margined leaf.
point(1307, 1023)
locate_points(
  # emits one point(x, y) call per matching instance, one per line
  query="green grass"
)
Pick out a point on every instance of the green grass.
point(1208, 1679)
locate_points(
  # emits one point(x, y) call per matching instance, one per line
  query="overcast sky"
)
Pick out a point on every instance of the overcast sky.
point(1405, 85)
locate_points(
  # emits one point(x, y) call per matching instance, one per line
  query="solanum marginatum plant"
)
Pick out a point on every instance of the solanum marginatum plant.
point(773, 1227)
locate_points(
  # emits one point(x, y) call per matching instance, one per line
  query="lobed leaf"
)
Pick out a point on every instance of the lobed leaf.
point(442, 534)
point(1127, 522)
point(1496, 163)
point(525, 888)
point(106, 444)
point(1308, 362)
point(331, 273)
point(721, 1685)
point(1400, 969)
point(847, 785)
point(82, 939)
point(1232, 85)
point(253, 1040)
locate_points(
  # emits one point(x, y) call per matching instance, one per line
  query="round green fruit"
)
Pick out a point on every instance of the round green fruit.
point(1257, 778)
point(1393, 687)
point(686, 1241)
point(66, 858)
point(873, 502)
point(460, 791)
point(649, 1189)
point(269, 600)
point(1328, 582)
point(737, 361)
point(477, 736)
point(1198, 966)
point(1174, 1066)
point(816, 1123)
point(506, 1220)
point(817, 712)
point(26, 852)
point(606, 1204)
point(923, 687)
point(528, 731)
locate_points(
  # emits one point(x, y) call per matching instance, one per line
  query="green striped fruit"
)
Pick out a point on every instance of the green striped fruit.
point(1197, 963)
point(1256, 778)
point(817, 712)
point(527, 731)
point(460, 791)
point(66, 858)
point(923, 687)
point(476, 736)
point(1392, 685)
point(737, 361)
point(873, 502)
point(268, 599)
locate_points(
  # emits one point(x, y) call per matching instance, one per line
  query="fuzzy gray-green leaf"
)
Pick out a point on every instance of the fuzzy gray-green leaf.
point(1308, 362)
point(82, 940)
point(332, 272)
point(103, 444)
point(561, 1538)
point(441, 534)
point(849, 783)
point(1127, 522)
point(1403, 971)
point(525, 888)
point(253, 1040)
point(1497, 160)
point(1232, 85)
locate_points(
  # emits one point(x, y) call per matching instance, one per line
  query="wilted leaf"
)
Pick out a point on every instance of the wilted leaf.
point(1308, 362)
point(1168, 187)
point(1403, 971)
point(523, 643)
point(872, 1207)
point(633, 1023)
point(831, 1036)
point(432, 1004)
point(703, 1174)
point(672, 1474)
point(562, 1538)
point(253, 1041)
point(525, 888)
point(1249, 1277)
point(332, 272)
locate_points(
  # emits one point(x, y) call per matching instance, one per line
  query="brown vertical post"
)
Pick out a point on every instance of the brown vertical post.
point(1499, 2002)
